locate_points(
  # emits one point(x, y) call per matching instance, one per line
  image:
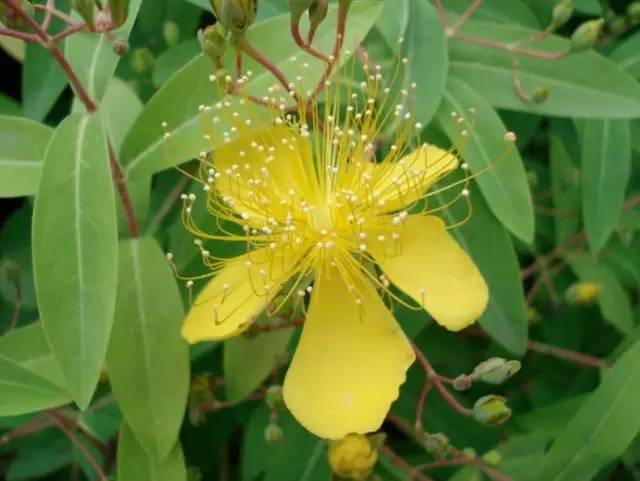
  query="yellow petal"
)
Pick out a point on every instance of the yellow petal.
point(430, 266)
point(278, 158)
point(349, 363)
point(232, 300)
point(400, 183)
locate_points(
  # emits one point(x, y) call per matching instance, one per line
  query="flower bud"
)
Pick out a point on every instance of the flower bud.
point(317, 14)
point(298, 7)
point(12, 270)
point(540, 94)
point(120, 46)
point(492, 458)
point(633, 12)
point(216, 5)
point(273, 433)
point(617, 25)
point(491, 410)
point(352, 457)
point(437, 444)
point(462, 382)
point(171, 33)
point(85, 9)
point(273, 396)
point(495, 370)
point(119, 10)
point(238, 15)
point(469, 453)
point(583, 293)
point(561, 13)
point(142, 60)
point(213, 42)
point(586, 35)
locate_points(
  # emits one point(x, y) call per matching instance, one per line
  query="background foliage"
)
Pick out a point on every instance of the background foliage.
point(79, 290)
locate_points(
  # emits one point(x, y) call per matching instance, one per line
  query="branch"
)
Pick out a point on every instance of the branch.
point(465, 16)
point(121, 186)
point(412, 473)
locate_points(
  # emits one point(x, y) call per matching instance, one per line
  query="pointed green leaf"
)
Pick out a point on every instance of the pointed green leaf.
point(75, 251)
point(606, 167)
point(504, 185)
point(136, 464)
point(22, 146)
point(30, 379)
point(43, 81)
point(603, 427)
point(145, 152)
point(148, 361)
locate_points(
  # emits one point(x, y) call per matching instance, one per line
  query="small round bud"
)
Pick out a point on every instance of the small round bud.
point(469, 453)
point(492, 458)
point(586, 35)
point(510, 137)
point(213, 42)
point(120, 46)
point(491, 410)
point(142, 60)
point(583, 293)
point(317, 14)
point(273, 396)
point(495, 370)
point(352, 457)
point(437, 444)
point(238, 15)
point(633, 12)
point(12, 270)
point(171, 33)
point(273, 433)
point(540, 94)
point(561, 13)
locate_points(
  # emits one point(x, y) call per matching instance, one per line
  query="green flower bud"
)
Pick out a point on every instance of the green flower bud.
point(298, 7)
point(12, 270)
point(540, 94)
point(583, 293)
point(85, 8)
point(617, 25)
point(213, 42)
point(238, 15)
point(495, 370)
point(586, 35)
point(633, 12)
point(273, 433)
point(317, 14)
point(533, 316)
point(491, 410)
point(120, 46)
point(469, 453)
point(273, 396)
point(437, 444)
point(216, 5)
point(561, 14)
point(462, 382)
point(171, 33)
point(119, 10)
point(492, 458)
point(142, 60)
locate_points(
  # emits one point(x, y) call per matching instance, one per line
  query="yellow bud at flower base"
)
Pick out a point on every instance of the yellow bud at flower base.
point(352, 457)
point(583, 293)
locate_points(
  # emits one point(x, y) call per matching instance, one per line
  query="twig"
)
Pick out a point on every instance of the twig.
point(51, 11)
point(442, 14)
point(77, 27)
point(419, 427)
point(121, 186)
point(49, 7)
point(297, 38)
point(167, 204)
point(412, 474)
point(465, 16)
point(567, 355)
point(511, 48)
point(27, 37)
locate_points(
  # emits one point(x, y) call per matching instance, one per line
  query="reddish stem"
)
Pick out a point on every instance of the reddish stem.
point(78, 27)
point(121, 186)
point(511, 48)
point(465, 16)
point(27, 37)
point(295, 33)
point(409, 470)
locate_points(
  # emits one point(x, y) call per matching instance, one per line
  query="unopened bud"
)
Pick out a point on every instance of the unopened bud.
point(617, 25)
point(533, 316)
point(171, 33)
point(120, 46)
point(437, 444)
point(462, 382)
point(495, 370)
point(238, 15)
point(273, 396)
point(85, 8)
point(583, 293)
point(273, 433)
point(216, 5)
point(317, 14)
point(213, 42)
point(12, 271)
point(142, 60)
point(633, 12)
point(491, 410)
point(298, 7)
point(586, 35)
point(352, 457)
point(492, 458)
point(469, 453)
point(540, 94)
point(119, 10)
point(561, 14)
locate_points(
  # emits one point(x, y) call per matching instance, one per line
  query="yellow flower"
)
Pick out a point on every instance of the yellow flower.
point(352, 457)
point(320, 216)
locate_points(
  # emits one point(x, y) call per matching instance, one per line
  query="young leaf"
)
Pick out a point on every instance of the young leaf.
point(75, 251)
point(136, 464)
point(22, 146)
point(42, 82)
point(603, 427)
point(504, 183)
point(606, 167)
point(148, 361)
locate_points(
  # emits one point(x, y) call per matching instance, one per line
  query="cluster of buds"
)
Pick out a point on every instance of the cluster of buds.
point(273, 433)
point(354, 456)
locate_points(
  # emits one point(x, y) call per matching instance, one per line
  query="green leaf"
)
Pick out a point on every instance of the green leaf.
point(176, 103)
point(247, 362)
point(606, 167)
point(565, 178)
point(8, 106)
point(603, 427)
point(427, 67)
point(75, 251)
point(136, 464)
point(30, 379)
point(92, 57)
point(581, 85)
point(613, 300)
point(485, 240)
point(22, 146)
point(147, 360)
point(504, 185)
point(173, 59)
point(627, 55)
point(42, 82)
point(515, 11)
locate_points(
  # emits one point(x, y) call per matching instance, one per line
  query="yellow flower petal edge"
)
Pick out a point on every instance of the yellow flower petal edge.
point(350, 361)
point(232, 300)
point(434, 270)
